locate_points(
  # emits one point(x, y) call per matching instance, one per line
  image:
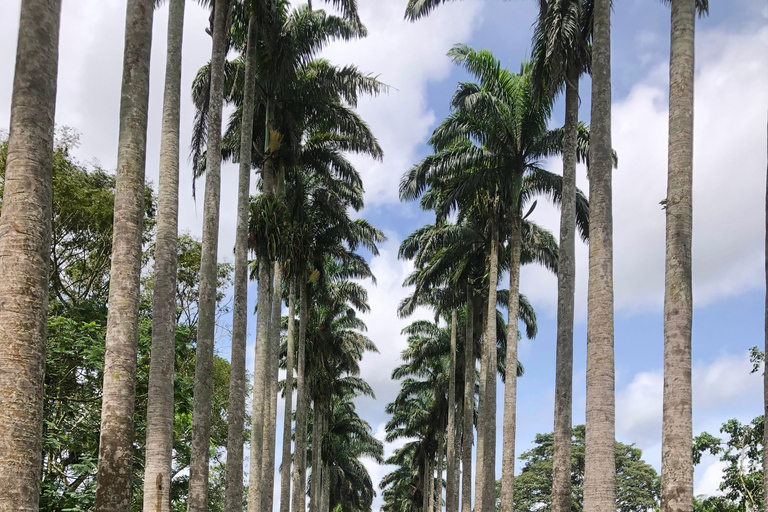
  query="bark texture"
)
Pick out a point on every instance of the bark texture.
point(113, 489)
point(600, 464)
point(285, 469)
point(203, 389)
point(316, 475)
point(677, 427)
point(485, 483)
point(510, 386)
point(25, 244)
point(452, 492)
point(467, 433)
point(765, 367)
point(236, 410)
point(159, 451)
point(566, 278)
point(259, 377)
point(270, 422)
point(300, 449)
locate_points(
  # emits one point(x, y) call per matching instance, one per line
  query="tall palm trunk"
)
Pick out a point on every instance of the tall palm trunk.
point(600, 464)
point(765, 366)
point(159, 451)
point(259, 378)
point(206, 324)
point(317, 463)
point(300, 445)
point(113, 490)
point(485, 484)
point(285, 470)
point(469, 405)
point(566, 269)
point(236, 410)
point(510, 388)
point(25, 245)
point(270, 422)
point(452, 492)
point(261, 368)
point(428, 497)
point(438, 487)
point(677, 428)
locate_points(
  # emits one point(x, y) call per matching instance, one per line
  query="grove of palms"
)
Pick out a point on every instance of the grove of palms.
point(126, 379)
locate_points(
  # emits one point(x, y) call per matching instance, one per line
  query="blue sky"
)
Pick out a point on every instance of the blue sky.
point(729, 186)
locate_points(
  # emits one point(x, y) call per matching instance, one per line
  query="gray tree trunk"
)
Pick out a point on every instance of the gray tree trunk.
point(428, 497)
point(261, 368)
point(510, 387)
point(316, 475)
point(285, 469)
point(566, 271)
point(270, 423)
point(677, 427)
point(206, 323)
point(259, 378)
point(485, 483)
point(452, 492)
point(113, 490)
point(600, 465)
point(159, 450)
point(438, 486)
point(300, 445)
point(25, 245)
point(467, 433)
point(236, 410)
point(765, 366)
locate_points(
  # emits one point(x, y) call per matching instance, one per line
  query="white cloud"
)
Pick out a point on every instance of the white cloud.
point(726, 381)
point(407, 57)
point(729, 181)
point(710, 479)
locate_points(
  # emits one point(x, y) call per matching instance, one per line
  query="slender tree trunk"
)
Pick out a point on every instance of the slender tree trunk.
point(441, 447)
point(316, 475)
point(113, 490)
point(452, 493)
point(325, 501)
point(206, 323)
point(25, 245)
point(236, 410)
point(600, 464)
point(469, 406)
point(456, 483)
point(765, 366)
point(259, 380)
point(428, 497)
point(485, 483)
point(300, 445)
point(510, 387)
point(261, 371)
point(270, 425)
point(566, 270)
point(677, 428)
point(159, 451)
point(285, 470)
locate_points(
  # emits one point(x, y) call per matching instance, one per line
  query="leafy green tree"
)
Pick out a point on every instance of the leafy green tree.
point(741, 449)
point(637, 482)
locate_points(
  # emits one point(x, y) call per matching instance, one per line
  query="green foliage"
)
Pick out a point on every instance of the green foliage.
point(741, 449)
point(637, 484)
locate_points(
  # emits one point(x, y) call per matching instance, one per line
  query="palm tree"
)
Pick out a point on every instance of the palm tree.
point(201, 416)
point(159, 449)
point(236, 411)
point(677, 429)
point(113, 490)
point(503, 113)
point(285, 468)
point(561, 55)
point(25, 239)
point(600, 470)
